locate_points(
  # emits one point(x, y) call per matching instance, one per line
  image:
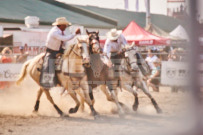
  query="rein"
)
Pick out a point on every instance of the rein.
point(73, 50)
point(91, 44)
point(128, 69)
point(127, 61)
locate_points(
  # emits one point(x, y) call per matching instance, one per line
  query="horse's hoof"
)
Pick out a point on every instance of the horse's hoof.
point(34, 113)
point(114, 111)
point(135, 107)
point(121, 115)
point(97, 117)
point(64, 115)
point(94, 113)
point(159, 111)
point(72, 110)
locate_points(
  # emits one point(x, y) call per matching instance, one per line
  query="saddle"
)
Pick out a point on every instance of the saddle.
point(48, 78)
point(58, 63)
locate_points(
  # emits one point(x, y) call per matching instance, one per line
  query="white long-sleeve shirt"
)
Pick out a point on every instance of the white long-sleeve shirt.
point(150, 61)
point(55, 38)
point(110, 46)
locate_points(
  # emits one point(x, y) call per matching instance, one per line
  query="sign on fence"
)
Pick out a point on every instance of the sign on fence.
point(174, 73)
point(9, 72)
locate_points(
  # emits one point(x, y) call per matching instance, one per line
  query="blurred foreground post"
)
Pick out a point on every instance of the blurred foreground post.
point(194, 49)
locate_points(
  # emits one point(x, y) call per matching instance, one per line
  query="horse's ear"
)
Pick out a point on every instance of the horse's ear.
point(87, 32)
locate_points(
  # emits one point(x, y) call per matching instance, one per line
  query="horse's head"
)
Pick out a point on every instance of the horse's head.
point(79, 51)
point(131, 59)
point(94, 41)
point(84, 48)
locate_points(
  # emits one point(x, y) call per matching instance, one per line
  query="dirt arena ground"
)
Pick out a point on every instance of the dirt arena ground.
point(16, 116)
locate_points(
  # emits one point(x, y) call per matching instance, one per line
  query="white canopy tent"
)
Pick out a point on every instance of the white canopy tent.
point(180, 32)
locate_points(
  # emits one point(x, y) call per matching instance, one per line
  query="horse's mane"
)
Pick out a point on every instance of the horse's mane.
point(68, 50)
point(71, 46)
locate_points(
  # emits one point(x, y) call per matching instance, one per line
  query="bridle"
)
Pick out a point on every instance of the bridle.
point(91, 43)
point(127, 60)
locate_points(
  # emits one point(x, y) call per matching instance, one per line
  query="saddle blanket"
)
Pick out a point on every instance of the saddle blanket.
point(49, 66)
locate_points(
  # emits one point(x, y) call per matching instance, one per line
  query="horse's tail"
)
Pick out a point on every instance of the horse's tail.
point(23, 72)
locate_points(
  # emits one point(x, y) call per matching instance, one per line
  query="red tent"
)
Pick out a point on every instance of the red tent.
point(134, 33)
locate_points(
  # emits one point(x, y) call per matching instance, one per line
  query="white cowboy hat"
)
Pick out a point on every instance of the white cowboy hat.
point(113, 34)
point(61, 21)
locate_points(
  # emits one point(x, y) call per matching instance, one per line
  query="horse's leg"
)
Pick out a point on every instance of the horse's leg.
point(106, 92)
point(142, 85)
point(39, 94)
point(131, 90)
point(85, 94)
point(91, 94)
point(74, 96)
point(112, 85)
point(82, 100)
point(118, 104)
point(52, 102)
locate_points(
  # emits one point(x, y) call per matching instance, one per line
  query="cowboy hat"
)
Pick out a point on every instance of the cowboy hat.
point(113, 34)
point(61, 21)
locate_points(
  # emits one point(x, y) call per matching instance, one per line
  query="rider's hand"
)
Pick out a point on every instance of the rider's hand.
point(120, 52)
point(78, 31)
point(109, 64)
point(123, 49)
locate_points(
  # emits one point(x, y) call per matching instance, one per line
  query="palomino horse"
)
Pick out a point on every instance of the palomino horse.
point(71, 77)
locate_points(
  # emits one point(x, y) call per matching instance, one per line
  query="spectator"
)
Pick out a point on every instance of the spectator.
point(154, 79)
point(151, 58)
point(176, 54)
point(6, 58)
point(23, 55)
point(7, 55)
point(164, 53)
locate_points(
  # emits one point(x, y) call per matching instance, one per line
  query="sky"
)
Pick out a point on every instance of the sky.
point(157, 6)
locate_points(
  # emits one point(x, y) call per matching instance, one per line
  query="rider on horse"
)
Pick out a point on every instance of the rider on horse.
point(113, 51)
point(55, 44)
point(113, 45)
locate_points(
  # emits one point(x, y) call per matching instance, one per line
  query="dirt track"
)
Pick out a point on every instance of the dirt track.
point(16, 114)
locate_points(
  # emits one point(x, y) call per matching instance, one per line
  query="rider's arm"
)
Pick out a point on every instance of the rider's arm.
point(63, 37)
point(123, 40)
point(123, 43)
point(107, 51)
point(107, 48)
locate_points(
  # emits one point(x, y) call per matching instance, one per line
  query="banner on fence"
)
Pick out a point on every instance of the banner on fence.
point(174, 73)
point(9, 72)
